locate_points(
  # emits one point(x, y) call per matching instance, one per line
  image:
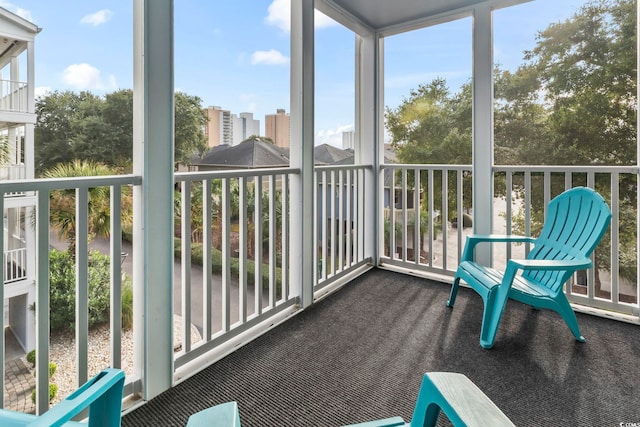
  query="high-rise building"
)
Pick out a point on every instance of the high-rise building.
point(348, 140)
point(219, 127)
point(244, 126)
point(277, 127)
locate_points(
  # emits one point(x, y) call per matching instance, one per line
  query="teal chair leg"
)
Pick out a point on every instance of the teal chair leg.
point(494, 304)
point(454, 291)
point(564, 309)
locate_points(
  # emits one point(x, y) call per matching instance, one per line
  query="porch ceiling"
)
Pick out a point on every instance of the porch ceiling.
point(379, 15)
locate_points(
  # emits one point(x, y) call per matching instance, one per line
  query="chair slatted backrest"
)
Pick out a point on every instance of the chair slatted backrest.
point(575, 223)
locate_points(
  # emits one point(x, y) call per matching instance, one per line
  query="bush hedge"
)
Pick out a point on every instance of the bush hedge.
point(62, 292)
point(216, 264)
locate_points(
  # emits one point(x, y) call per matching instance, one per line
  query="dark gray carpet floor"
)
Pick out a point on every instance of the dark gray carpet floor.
point(359, 355)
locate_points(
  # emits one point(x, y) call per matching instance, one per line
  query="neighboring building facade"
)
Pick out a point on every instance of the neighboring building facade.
point(348, 140)
point(244, 126)
point(17, 122)
point(219, 127)
point(277, 127)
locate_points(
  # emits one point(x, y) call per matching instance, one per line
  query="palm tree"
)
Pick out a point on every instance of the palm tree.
point(63, 212)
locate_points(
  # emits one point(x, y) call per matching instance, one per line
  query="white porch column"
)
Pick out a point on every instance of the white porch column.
point(31, 108)
point(302, 259)
point(153, 154)
point(369, 134)
point(482, 124)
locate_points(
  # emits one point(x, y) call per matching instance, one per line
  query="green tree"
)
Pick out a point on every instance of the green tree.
point(190, 121)
point(83, 126)
point(63, 203)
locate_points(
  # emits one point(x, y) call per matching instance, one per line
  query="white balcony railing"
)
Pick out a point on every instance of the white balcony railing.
point(339, 230)
point(15, 262)
point(13, 96)
point(442, 193)
point(233, 272)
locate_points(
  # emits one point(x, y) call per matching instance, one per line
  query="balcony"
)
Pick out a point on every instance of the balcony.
point(296, 315)
point(13, 96)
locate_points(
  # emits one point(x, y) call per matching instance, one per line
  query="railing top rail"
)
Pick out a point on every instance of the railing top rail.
point(566, 168)
point(68, 183)
point(424, 166)
point(235, 173)
point(342, 167)
point(13, 81)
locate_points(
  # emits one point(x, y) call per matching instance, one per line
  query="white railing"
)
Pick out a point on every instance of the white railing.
point(12, 173)
point(13, 96)
point(339, 229)
point(442, 193)
point(15, 265)
point(425, 241)
point(244, 261)
point(80, 187)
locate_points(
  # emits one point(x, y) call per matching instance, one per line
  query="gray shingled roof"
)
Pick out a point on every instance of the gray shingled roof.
point(253, 153)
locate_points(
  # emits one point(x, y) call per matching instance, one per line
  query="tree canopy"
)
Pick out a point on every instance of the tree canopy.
point(84, 126)
point(572, 101)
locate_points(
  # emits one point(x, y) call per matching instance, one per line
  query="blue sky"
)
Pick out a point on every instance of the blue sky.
point(235, 54)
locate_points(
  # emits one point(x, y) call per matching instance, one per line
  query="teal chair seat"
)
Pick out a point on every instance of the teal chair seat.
point(575, 222)
point(102, 395)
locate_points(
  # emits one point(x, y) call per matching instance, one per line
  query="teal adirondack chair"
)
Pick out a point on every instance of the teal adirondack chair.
point(102, 395)
point(576, 221)
point(457, 396)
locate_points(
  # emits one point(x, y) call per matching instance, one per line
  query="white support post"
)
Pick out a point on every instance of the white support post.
point(369, 143)
point(482, 124)
point(303, 263)
point(31, 108)
point(153, 147)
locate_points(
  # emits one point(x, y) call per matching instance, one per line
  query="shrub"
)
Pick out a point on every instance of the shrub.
point(53, 392)
point(62, 291)
point(31, 358)
point(216, 264)
point(127, 305)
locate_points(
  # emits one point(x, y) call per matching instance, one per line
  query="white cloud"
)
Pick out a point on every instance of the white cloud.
point(268, 57)
point(332, 136)
point(279, 15)
point(23, 13)
point(42, 91)
point(85, 76)
point(98, 18)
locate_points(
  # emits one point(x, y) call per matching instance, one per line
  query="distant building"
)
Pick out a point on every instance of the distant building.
point(277, 127)
point(219, 127)
point(348, 140)
point(244, 126)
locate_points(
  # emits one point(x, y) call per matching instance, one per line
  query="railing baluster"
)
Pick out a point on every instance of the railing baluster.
point(615, 238)
point(284, 226)
point(272, 241)
point(417, 230)
point(332, 269)
point(243, 239)
point(82, 284)
point(258, 244)
point(430, 205)
point(349, 219)
point(185, 232)
point(444, 217)
point(207, 247)
point(340, 239)
point(42, 304)
point(324, 216)
point(115, 227)
point(226, 256)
